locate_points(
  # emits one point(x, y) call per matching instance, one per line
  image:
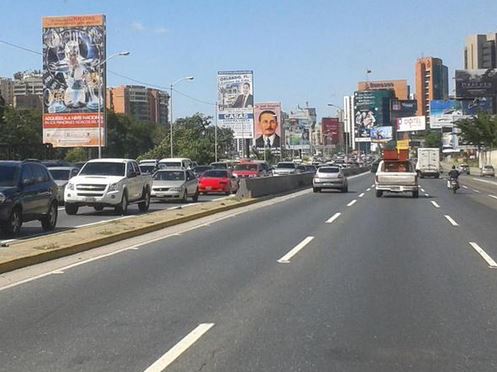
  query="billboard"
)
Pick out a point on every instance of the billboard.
point(411, 124)
point(297, 130)
point(74, 80)
point(381, 134)
point(235, 102)
point(331, 128)
point(371, 109)
point(267, 126)
point(399, 86)
point(477, 105)
point(476, 83)
point(444, 113)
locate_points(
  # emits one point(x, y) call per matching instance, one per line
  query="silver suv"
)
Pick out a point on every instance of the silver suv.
point(175, 184)
point(329, 178)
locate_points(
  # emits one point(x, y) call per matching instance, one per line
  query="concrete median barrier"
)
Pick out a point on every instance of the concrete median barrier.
point(263, 186)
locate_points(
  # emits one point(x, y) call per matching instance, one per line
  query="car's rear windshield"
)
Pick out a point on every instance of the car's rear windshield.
point(219, 165)
point(246, 167)
point(329, 170)
point(103, 169)
point(285, 166)
point(60, 174)
point(202, 168)
point(169, 176)
point(215, 174)
point(489, 167)
point(170, 164)
point(147, 168)
point(9, 175)
point(397, 167)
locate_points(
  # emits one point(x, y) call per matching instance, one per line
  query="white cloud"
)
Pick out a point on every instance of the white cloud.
point(137, 26)
point(161, 30)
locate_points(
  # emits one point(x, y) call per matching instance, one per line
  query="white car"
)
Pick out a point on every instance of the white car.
point(175, 184)
point(108, 183)
point(285, 168)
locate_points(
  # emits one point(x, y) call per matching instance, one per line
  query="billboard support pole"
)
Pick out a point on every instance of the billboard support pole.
point(215, 135)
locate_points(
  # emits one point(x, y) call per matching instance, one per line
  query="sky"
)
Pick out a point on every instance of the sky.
point(302, 52)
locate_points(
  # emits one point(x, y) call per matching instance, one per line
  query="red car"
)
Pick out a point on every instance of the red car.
point(217, 180)
point(249, 170)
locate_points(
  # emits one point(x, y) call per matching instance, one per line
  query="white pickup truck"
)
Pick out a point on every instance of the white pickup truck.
point(108, 183)
point(396, 176)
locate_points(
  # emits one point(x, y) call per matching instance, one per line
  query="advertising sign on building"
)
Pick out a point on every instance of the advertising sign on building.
point(444, 113)
point(478, 105)
point(74, 81)
point(297, 130)
point(331, 128)
point(476, 83)
point(235, 102)
point(381, 134)
point(411, 124)
point(267, 127)
point(371, 109)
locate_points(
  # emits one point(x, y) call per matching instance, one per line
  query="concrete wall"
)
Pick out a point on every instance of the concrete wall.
point(262, 186)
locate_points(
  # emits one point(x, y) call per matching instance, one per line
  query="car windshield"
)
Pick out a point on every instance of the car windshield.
point(202, 169)
point(219, 165)
point(246, 167)
point(60, 174)
point(170, 164)
point(215, 174)
point(103, 169)
point(9, 175)
point(397, 167)
point(329, 170)
point(169, 176)
point(286, 166)
point(147, 168)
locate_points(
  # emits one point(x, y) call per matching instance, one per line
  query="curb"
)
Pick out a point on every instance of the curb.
point(41, 257)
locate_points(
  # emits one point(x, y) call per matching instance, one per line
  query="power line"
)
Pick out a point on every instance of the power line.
point(20, 47)
point(120, 75)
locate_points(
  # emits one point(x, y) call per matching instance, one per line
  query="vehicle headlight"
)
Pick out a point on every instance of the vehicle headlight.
point(316, 179)
point(114, 187)
point(176, 189)
point(70, 186)
point(2, 198)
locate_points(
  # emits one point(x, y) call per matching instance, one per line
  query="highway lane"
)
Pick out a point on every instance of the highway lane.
point(87, 216)
point(387, 285)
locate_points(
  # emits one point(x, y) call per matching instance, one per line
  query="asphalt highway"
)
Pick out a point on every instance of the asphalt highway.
point(308, 282)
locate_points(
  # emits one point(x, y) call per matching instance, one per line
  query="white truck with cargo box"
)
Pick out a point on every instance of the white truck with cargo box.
point(428, 163)
point(108, 183)
point(396, 174)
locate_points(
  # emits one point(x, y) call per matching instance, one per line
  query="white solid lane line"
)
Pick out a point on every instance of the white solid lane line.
point(178, 349)
point(454, 223)
point(435, 204)
point(286, 258)
point(333, 218)
point(464, 186)
point(493, 196)
point(484, 255)
point(352, 203)
point(361, 195)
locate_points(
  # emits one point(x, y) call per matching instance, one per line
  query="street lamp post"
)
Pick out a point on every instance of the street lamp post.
point(171, 109)
point(100, 95)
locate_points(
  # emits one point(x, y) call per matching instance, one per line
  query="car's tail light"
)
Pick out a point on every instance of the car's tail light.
point(376, 178)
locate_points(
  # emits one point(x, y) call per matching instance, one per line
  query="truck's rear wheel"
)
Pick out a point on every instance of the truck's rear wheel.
point(379, 193)
point(145, 204)
point(415, 194)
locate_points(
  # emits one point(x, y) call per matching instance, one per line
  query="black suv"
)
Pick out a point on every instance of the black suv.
point(27, 192)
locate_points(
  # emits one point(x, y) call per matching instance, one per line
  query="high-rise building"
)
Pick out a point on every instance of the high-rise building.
point(145, 104)
point(480, 52)
point(400, 87)
point(432, 82)
point(7, 90)
point(28, 91)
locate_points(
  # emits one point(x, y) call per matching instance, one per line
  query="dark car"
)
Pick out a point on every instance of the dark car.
point(27, 192)
point(199, 169)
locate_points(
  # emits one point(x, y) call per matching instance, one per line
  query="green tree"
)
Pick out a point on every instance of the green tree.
point(480, 131)
point(76, 154)
point(194, 138)
point(433, 139)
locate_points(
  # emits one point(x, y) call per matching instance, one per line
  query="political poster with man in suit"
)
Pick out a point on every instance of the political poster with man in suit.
point(235, 103)
point(267, 126)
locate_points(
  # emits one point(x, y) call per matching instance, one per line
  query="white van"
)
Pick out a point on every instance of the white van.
point(184, 163)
